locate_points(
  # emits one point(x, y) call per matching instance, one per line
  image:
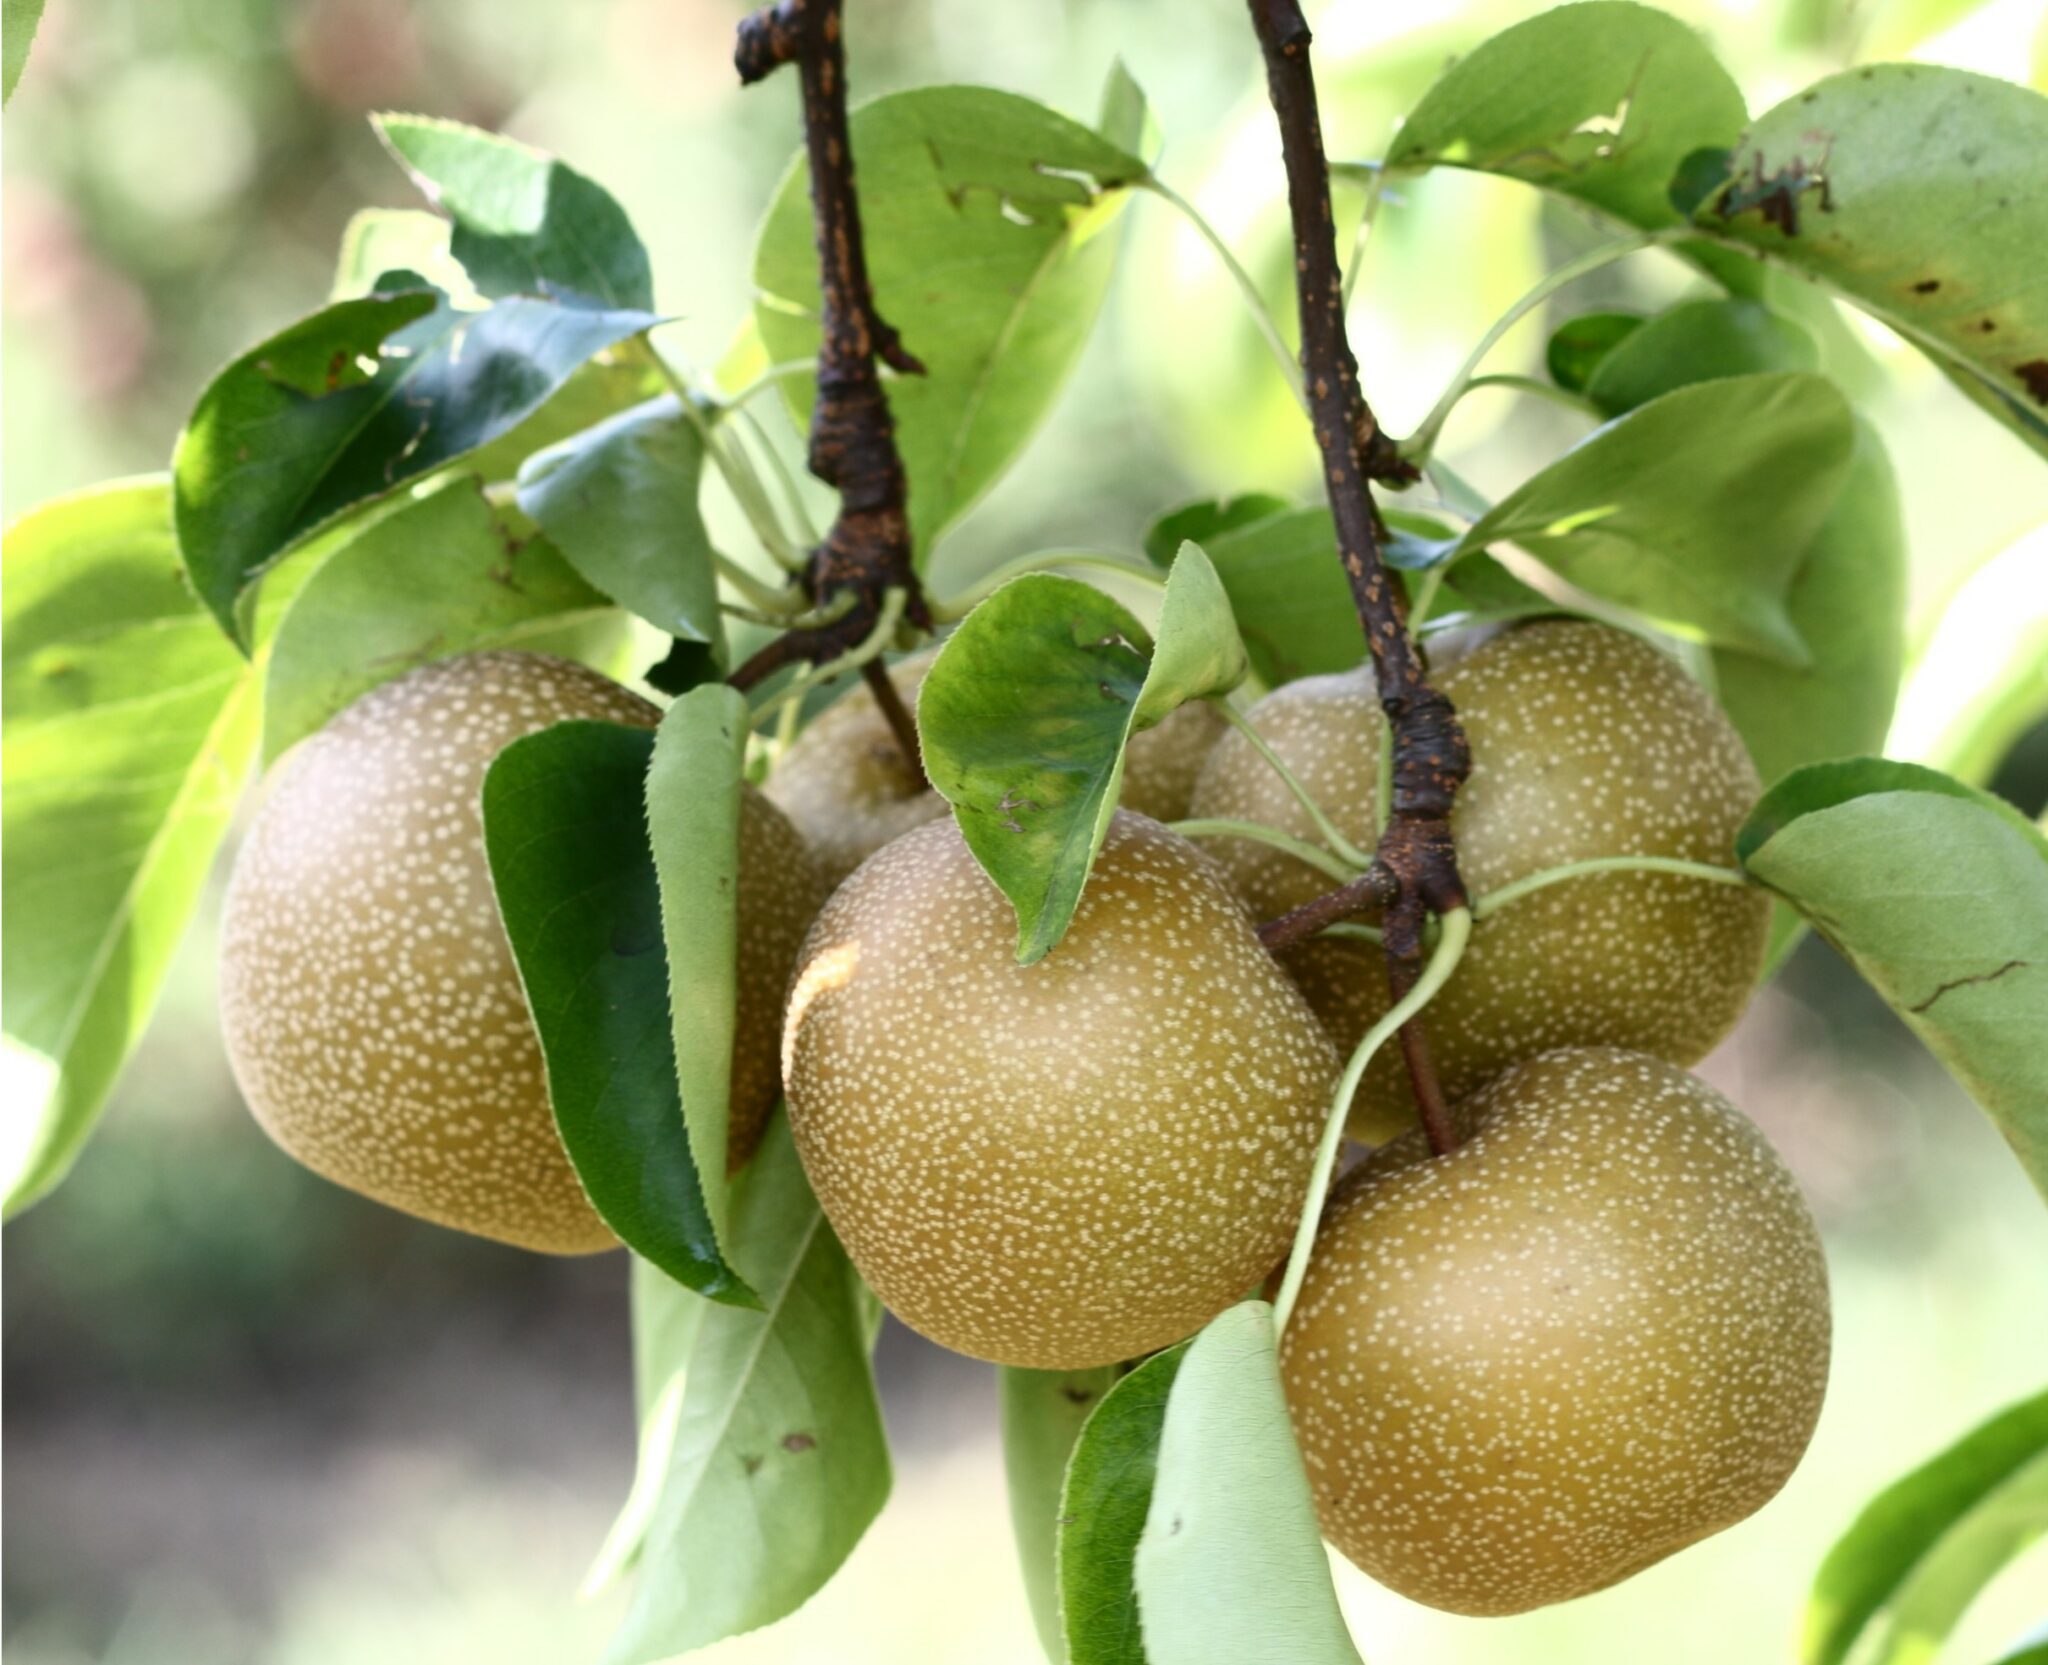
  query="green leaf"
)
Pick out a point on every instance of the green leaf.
point(1027, 709)
point(620, 501)
point(1102, 1515)
point(1938, 895)
point(1231, 1566)
point(524, 224)
point(1917, 192)
point(1698, 341)
point(1694, 509)
point(1042, 1414)
point(438, 576)
point(380, 240)
point(18, 27)
point(1205, 520)
point(349, 404)
point(777, 1461)
point(130, 725)
point(693, 820)
point(1601, 101)
point(1124, 115)
point(985, 217)
point(1923, 1531)
point(566, 831)
point(1578, 346)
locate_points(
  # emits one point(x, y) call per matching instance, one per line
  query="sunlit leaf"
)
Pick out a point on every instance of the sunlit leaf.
point(1042, 1414)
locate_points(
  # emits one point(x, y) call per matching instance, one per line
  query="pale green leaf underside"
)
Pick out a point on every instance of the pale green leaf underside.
point(1042, 1415)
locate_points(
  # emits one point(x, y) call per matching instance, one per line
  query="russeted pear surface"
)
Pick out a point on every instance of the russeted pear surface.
point(373, 1013)
point(1064, 1164)
point(1595, 1333)
point(1586, 742)
point(845, 784)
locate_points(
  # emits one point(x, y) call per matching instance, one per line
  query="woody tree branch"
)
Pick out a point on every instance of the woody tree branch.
point(867, 552)
point(1415, 869)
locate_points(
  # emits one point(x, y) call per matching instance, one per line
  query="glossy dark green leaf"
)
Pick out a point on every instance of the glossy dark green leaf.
point(1918, 1533)
point(1698, 341)
point(1027, 709)
point(1938, 895)
point(566, 830)
point(524, 223)
point(1231, 1565)
point(1042, 1414)
point(1916, 191)
point(1206, 519)
point(1578, 345)
point(130, 726)
point(775, 1460)
point(17, 33)
point(351, 403)
point(693, 823)
point(987, 218)
point(1102, 1508)
point(1601, 101)
point(620, 501)
point(437, 576)
point(1704, 537)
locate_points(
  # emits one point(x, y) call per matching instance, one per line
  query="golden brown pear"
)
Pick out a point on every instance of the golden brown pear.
point(1064, 1164)
point(373, 1014)
point(846, 786)
point(1595, 1333)
point(1586, 742)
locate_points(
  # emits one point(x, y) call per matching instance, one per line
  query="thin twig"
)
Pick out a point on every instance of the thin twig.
point(901, 723)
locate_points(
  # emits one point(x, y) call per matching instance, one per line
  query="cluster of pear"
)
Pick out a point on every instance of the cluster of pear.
point(1595, 1332)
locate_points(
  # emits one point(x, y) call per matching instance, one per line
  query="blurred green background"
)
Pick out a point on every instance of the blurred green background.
point(251, 1418)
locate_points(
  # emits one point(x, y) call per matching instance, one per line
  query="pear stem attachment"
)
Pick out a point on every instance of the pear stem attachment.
point(1456, 932)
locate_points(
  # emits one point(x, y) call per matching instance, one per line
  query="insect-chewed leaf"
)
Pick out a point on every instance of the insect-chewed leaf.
point(566, 832)
point(437, 576)
point(620, 501)
point(1025, 713)
point(130, 725)
point(776, 1459)
point(984, 215)
point(524, 223)
point(1695, 508)
point(1899, 1578)
point(1601, 101)
point(1102, 1510)
point(1231, 1565)
point(1917, 191)
point(1938, 895)
point(349, 404)
point(1042, 1415)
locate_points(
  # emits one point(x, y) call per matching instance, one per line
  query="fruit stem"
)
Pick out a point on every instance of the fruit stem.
point(866, 552)
point(1457, 931)
point(1494, 900)
point(1415, 869)
point(901, 723)
point(1258, 832)
point(1354, 859)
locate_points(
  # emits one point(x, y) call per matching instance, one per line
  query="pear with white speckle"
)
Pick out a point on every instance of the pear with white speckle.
point(1595, 1333)
point(846, 786)
point(1064, 1164)
point(1586, 742)
point(372, 1010)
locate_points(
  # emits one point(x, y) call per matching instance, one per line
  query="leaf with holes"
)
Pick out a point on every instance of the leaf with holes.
point(1899, 1578)
point(130, 726)
point(987, 220)
point(1231, 1564)
point(348, 405)
point(1917, 192)
point(777, 1461)
point(1026, 711)
point(1938, 895)
point(565, 827)
point(438, 576)
point(524, 223)
point(1600, 101)
point(1042, 1415)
